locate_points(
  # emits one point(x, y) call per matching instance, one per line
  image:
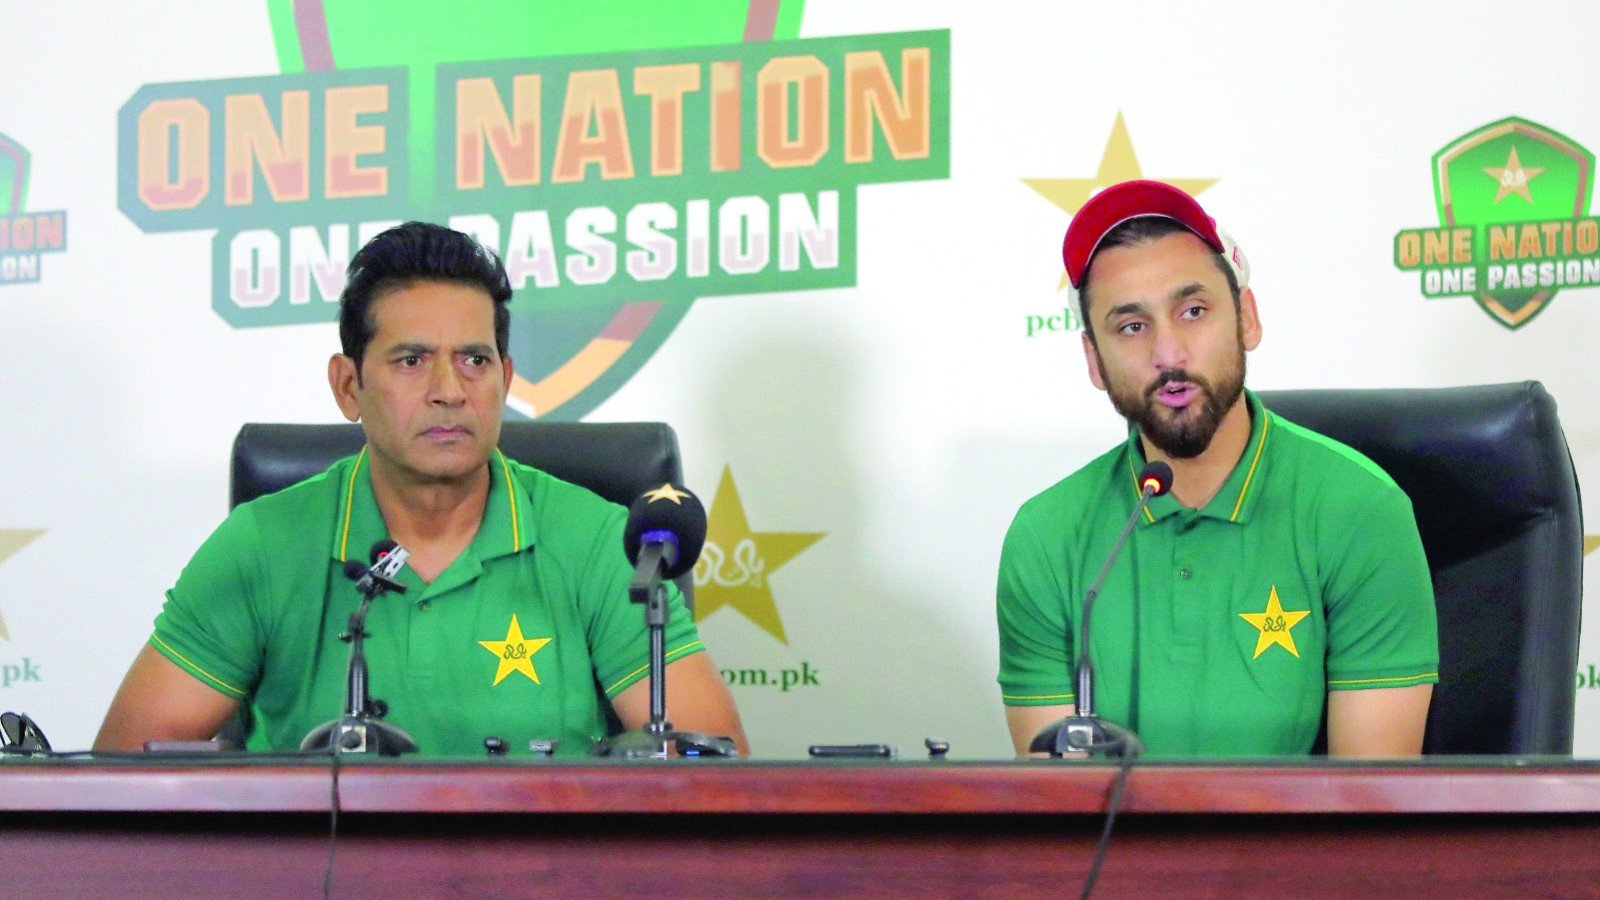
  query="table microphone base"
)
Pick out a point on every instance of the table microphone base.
point(359, 734)
point(1088, 735)
point(648, 745)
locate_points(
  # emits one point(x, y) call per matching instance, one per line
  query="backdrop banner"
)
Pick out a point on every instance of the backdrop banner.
point(819, 238)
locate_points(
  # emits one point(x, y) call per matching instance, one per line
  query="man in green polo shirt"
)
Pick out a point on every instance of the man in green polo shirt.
point(1281, 577)
point(516, 603)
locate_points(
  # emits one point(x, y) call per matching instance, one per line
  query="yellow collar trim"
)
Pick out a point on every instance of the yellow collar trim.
point(350, 493)
point(1266, 425)
point(511, 497)
point(349, 498)
point(1138, 490)
point(1244, 489)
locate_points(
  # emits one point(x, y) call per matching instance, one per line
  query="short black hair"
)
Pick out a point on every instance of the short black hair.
point(1138, 231)
point(409, 253)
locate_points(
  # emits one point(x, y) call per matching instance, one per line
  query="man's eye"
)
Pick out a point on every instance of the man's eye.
point(1131, 328)
point(477, 360)
point(411, 362)
point(1194, 312)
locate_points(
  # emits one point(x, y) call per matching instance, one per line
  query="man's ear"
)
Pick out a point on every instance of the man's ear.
point(342, 380)
point(1091, 355)
point(505, 387)
point(1249, 320)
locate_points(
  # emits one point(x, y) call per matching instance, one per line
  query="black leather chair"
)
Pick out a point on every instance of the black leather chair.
point(617, 460)
point(1496, 500)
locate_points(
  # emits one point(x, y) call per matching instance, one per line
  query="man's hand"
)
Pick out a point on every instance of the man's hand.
point(1378, 722)
point(160, 702)
point(697, 700)
point(1027, 721)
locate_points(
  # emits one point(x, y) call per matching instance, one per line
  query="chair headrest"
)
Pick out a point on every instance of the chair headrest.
point(1477, 462)
point(617, 460)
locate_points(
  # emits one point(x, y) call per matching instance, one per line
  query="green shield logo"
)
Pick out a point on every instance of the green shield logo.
point(626, 159)
point(569, 357)
point(1508, 173)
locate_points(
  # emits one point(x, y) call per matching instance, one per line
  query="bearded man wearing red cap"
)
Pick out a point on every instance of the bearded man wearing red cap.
point(1282, 579)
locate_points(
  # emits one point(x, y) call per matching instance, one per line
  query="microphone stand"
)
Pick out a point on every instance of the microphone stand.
point(658, 552)
point(648, 588)
point(1084, 731)
point(360, 729)
point(19, 734)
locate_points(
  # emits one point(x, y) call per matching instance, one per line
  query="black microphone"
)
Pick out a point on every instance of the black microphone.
point(388, 558)
point(665, 531)
point(668, 527)
point(1084, 731)
point(360, 730)
point(1155, 479)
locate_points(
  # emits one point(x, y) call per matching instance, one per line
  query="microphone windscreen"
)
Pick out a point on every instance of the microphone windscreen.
point(353, 569)
point(380, 550)
point(1158, 474)
point(671, 509)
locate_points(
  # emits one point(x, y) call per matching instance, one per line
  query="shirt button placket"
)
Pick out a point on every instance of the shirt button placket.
point(1186, 602)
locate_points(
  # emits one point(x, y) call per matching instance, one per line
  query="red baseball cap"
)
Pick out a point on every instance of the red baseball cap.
point(1131, 200)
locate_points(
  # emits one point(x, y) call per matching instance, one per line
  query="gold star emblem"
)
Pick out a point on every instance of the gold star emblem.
point(1274, 624)
point(1117, 164)
point(1513, 177)
point(667, 492)
point(734, 566)
point(515, 653)
point(12, 541)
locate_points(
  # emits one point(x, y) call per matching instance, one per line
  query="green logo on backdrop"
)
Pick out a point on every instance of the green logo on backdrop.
point(1514, 225)
point(20, 671)
point(678, 157)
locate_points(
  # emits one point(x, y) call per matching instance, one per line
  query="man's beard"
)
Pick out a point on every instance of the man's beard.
point(1188, 437)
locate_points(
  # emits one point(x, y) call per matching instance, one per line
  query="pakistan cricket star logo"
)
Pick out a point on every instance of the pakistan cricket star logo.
point(1513, 202)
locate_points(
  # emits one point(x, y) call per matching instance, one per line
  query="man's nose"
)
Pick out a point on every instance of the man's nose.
point(1168, 348)
point(445, 387)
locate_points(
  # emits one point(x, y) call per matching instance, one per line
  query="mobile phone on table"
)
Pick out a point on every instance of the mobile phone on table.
point(852, 751)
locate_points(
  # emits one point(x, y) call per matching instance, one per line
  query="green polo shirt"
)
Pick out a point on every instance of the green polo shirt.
point(1220, 629)
point(510, 640)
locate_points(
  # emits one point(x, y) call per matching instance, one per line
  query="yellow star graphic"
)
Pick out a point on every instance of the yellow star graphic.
point(1513, 177)
point(667, 492)
point(515, 652)
point(1117, 164)
point(12, 541)
point(736, 562)
point(1274, 624)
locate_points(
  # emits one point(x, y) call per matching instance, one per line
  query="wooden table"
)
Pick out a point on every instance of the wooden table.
point(248, 827)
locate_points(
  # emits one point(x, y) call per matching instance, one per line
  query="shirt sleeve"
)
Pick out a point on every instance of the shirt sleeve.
point(1030, 608)
point(1382, 626)
point(618, 638)
point(209, 625)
